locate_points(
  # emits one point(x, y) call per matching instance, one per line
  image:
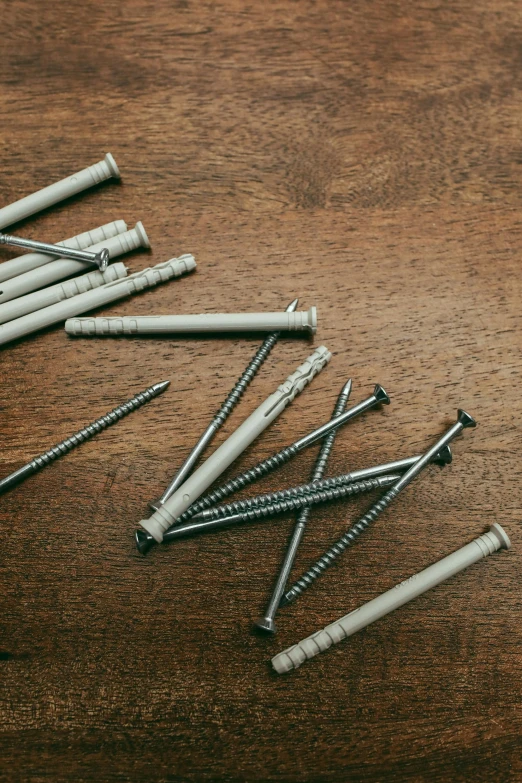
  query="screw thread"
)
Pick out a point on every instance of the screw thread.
point(328, 442)
point(324, 562)
point(241, 385)
point(333, 484)
point(294, 501)
point(55, 452)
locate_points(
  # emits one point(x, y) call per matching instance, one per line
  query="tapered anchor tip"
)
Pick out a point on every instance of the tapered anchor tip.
point(380, 395)
point(266, 624)
point(465, 419)
point(143, 541)
point(292, 307)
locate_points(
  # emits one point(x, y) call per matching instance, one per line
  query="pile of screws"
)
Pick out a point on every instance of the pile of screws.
point(28, 303)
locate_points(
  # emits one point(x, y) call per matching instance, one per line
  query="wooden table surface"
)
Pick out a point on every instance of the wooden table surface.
point(366, 157)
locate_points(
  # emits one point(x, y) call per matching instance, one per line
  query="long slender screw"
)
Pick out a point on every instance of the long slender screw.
point(463, 420)
point(267, 622)
point(223, 413)
point(304, 490)
point(55, 452)
point(101, 258)
point(290, 504)
point(144, 540)
point(270, 464)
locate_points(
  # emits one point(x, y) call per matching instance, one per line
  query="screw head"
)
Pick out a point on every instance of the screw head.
point(444, 457)
point(103, 259)
point(465, 419)
point(266, 624)
point(143, 540)
point(380, 395)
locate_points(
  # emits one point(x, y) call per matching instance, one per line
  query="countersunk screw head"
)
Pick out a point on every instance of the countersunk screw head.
point(444, 457)
point(380, 395)
point(144, 541)
point(266, 624)
point(465, 419)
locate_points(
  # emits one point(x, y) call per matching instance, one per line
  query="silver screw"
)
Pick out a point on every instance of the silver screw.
point(290, 504)
point(464, 420)
point(101, 259)
point(55, 452)
point(223, 413)
point(267, 622)
point(305, 490)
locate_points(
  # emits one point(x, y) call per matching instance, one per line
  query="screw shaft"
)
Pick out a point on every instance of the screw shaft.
point(266, 622)
point(57, 451)
point(291, 504)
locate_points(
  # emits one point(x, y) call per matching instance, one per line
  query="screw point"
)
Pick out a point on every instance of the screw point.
point(292, 307)
point(161, 386)
point(347, 389)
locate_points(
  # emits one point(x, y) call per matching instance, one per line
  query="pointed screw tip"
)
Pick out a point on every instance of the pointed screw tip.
point(347, 388)
point(161, 386)
point(292, 306)
point(465, 419)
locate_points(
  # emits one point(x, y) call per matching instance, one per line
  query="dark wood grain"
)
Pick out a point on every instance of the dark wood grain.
point(366, 157)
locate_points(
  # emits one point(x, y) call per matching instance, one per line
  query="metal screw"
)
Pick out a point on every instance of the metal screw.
point(144, 540)
point(290, 504)
point(85, 433)
point(265, 467)
point(101, 259)
point(223, 413)
point(267, 622)
point(464, 420)
point(319, 485)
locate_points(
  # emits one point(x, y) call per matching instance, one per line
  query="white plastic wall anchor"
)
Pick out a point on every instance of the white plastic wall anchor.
point(16, 308)
point(65, 188)
point(245, 434)
point(305, 321)
point(21, 264)
point(291, 658)
point(65, 267)
point(98, 297)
